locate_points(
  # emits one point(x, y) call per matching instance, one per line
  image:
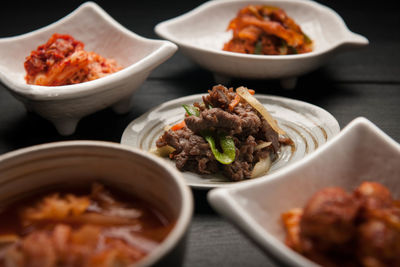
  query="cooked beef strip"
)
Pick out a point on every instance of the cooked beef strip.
point(238, 170)
point(244, 120)
point(249, 119)
point(219, 97)
point(185, 140)
point(269, 134)
point(214, 118)
point(247, 149)
point(192, 152)
point(242, 167)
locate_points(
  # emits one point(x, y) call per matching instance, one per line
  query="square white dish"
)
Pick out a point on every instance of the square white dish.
point(201, 34)
point(65, 105)
point(361, 152)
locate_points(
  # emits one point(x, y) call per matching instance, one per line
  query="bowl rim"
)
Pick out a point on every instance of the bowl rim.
point(223, 199)
point(352, 38)
point(164, 50)
point(185, 214)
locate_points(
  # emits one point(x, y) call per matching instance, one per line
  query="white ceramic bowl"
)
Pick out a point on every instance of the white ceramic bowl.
point(65, 105)
point(82, 162)
point(361, 152)
point(201, 34)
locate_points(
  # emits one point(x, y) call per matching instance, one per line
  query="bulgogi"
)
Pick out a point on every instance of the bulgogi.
point(227, 133)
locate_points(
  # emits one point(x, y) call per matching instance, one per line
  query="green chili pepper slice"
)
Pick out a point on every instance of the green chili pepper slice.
point(283, 49)
point(258, 49)
point(227, 144)
point(293, 50)
point(191, 110)
point(307, 39)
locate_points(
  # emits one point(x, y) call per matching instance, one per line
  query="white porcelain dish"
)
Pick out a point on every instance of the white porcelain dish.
point(60, 164)
point(361, 152)
point(65, 105)
point(201, 34)
point(307, 125)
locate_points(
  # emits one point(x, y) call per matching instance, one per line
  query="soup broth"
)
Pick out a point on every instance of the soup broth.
point(93, 226)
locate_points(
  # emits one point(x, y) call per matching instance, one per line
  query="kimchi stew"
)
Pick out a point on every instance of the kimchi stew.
point(63, 61)
point(266, 30)
point(80, 227)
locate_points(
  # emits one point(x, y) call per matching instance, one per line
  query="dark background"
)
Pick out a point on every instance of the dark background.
point(364, 82)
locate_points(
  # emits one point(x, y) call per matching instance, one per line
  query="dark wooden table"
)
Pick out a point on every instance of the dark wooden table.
point(364, 82)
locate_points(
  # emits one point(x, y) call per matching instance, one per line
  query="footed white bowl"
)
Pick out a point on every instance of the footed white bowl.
point(201, 34)
point(65, 105)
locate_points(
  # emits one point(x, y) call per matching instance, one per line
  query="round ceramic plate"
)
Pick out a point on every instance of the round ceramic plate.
point(307, 125)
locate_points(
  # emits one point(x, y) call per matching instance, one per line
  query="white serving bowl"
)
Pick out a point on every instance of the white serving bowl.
point(361, 152)
point(201, 34)
point(133, 171)
point(65, 105)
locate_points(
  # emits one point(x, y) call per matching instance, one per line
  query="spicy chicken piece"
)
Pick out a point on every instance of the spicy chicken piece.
point(379, 232)
point(379, 243)
point(340, 229)
point(329, 218)
point(306, 235)
point(373, 197)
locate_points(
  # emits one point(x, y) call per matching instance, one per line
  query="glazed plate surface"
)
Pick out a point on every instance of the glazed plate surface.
point(307, 125)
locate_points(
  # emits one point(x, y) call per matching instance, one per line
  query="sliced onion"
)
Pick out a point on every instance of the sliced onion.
point(244, 93)
point(163, 151)
point(261, 167)
point(262, 145)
